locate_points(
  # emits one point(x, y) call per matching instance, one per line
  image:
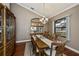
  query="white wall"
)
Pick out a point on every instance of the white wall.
point(23, 21)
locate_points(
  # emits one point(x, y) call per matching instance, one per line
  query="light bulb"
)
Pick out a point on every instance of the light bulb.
point(44, 20)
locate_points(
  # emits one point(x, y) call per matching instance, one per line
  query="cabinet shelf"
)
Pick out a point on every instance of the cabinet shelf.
point(7, 31)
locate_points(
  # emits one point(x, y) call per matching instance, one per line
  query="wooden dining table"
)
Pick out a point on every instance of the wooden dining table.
point(42, 45)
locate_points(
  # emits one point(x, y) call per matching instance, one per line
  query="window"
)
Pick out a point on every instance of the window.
point(62, 27)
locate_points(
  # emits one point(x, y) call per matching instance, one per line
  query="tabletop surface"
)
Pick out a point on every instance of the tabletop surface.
point(40, 44)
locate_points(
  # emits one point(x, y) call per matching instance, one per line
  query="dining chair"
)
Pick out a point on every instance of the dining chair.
point(34, 48)
point(60, 47)
point(56, 50)
point(55, 35)
point(50, 51)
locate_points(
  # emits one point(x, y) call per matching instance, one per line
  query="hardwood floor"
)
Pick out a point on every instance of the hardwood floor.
point(69, 52)
point(20, 48)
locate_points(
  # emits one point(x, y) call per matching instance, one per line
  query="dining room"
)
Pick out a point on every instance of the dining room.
point(39, 29)
point(55, 33)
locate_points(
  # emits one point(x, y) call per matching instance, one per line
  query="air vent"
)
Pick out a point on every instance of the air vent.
point(32, 8)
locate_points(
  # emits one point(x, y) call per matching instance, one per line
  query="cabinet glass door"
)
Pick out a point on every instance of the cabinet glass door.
point(9, 27)
point(1, 26)
point(8, 36)
point(9, 32)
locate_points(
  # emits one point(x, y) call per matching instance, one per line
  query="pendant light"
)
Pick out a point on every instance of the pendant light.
point(44, 19)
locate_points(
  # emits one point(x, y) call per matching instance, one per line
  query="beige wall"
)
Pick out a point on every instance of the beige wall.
point(23, 21)
point(74, 18)
point(50, 27)
point(46, 27)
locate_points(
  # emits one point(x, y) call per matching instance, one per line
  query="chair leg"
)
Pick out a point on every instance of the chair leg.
point(41, 52)
point(59, 54)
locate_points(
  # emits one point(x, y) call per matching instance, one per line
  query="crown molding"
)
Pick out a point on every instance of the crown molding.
point(30, 9)
point(50, 16)
point(64, 10)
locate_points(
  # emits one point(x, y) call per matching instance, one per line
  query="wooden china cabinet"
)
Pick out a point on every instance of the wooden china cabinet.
point(7, 31)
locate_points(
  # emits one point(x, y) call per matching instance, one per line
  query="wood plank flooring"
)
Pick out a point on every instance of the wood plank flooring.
point(20, 48)
point(69, 52)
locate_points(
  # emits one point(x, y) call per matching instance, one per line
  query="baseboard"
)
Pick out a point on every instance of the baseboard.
point(74, 50)
point(23, 41)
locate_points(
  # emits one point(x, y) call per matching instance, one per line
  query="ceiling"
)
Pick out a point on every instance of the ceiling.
point(48, 9)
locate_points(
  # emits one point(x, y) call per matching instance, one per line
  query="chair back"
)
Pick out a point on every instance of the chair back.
point(60, 48)
point(55, 36)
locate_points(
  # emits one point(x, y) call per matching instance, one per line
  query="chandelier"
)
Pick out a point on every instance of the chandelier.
point(44, 19)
